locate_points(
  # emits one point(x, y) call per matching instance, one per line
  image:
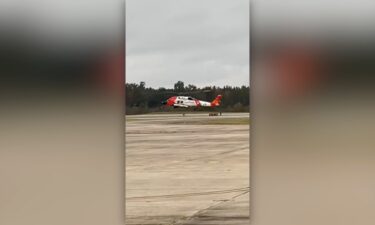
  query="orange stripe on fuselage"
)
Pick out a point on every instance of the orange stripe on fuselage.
point(171, 101)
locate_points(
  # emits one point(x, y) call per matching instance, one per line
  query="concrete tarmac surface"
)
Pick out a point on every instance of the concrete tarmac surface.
point(187, 170)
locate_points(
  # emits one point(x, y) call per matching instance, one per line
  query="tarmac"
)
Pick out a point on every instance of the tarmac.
point(182, 171)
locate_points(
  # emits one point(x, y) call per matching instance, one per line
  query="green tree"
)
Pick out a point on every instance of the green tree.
point(179, 86)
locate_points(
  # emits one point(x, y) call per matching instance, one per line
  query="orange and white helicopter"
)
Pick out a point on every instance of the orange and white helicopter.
point(187, 101)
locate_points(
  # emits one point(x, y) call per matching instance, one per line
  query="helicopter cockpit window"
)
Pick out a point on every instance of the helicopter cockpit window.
point(190, 98)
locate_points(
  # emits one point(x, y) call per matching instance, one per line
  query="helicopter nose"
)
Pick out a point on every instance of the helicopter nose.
point(164, 102)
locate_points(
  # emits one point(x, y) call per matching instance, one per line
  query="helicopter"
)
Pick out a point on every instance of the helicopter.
point(187, 101)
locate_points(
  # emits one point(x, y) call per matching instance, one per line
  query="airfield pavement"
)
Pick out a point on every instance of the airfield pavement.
point(187, 170)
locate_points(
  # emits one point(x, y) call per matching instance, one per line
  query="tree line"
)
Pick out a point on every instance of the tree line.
point(142, 99)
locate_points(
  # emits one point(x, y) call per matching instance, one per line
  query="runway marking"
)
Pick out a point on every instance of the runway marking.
point(190, 194)
point(201, 214)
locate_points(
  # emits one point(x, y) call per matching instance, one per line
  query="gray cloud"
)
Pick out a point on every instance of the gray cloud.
point(199, 42)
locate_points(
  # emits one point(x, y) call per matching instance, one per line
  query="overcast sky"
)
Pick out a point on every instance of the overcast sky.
point(203, 42)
